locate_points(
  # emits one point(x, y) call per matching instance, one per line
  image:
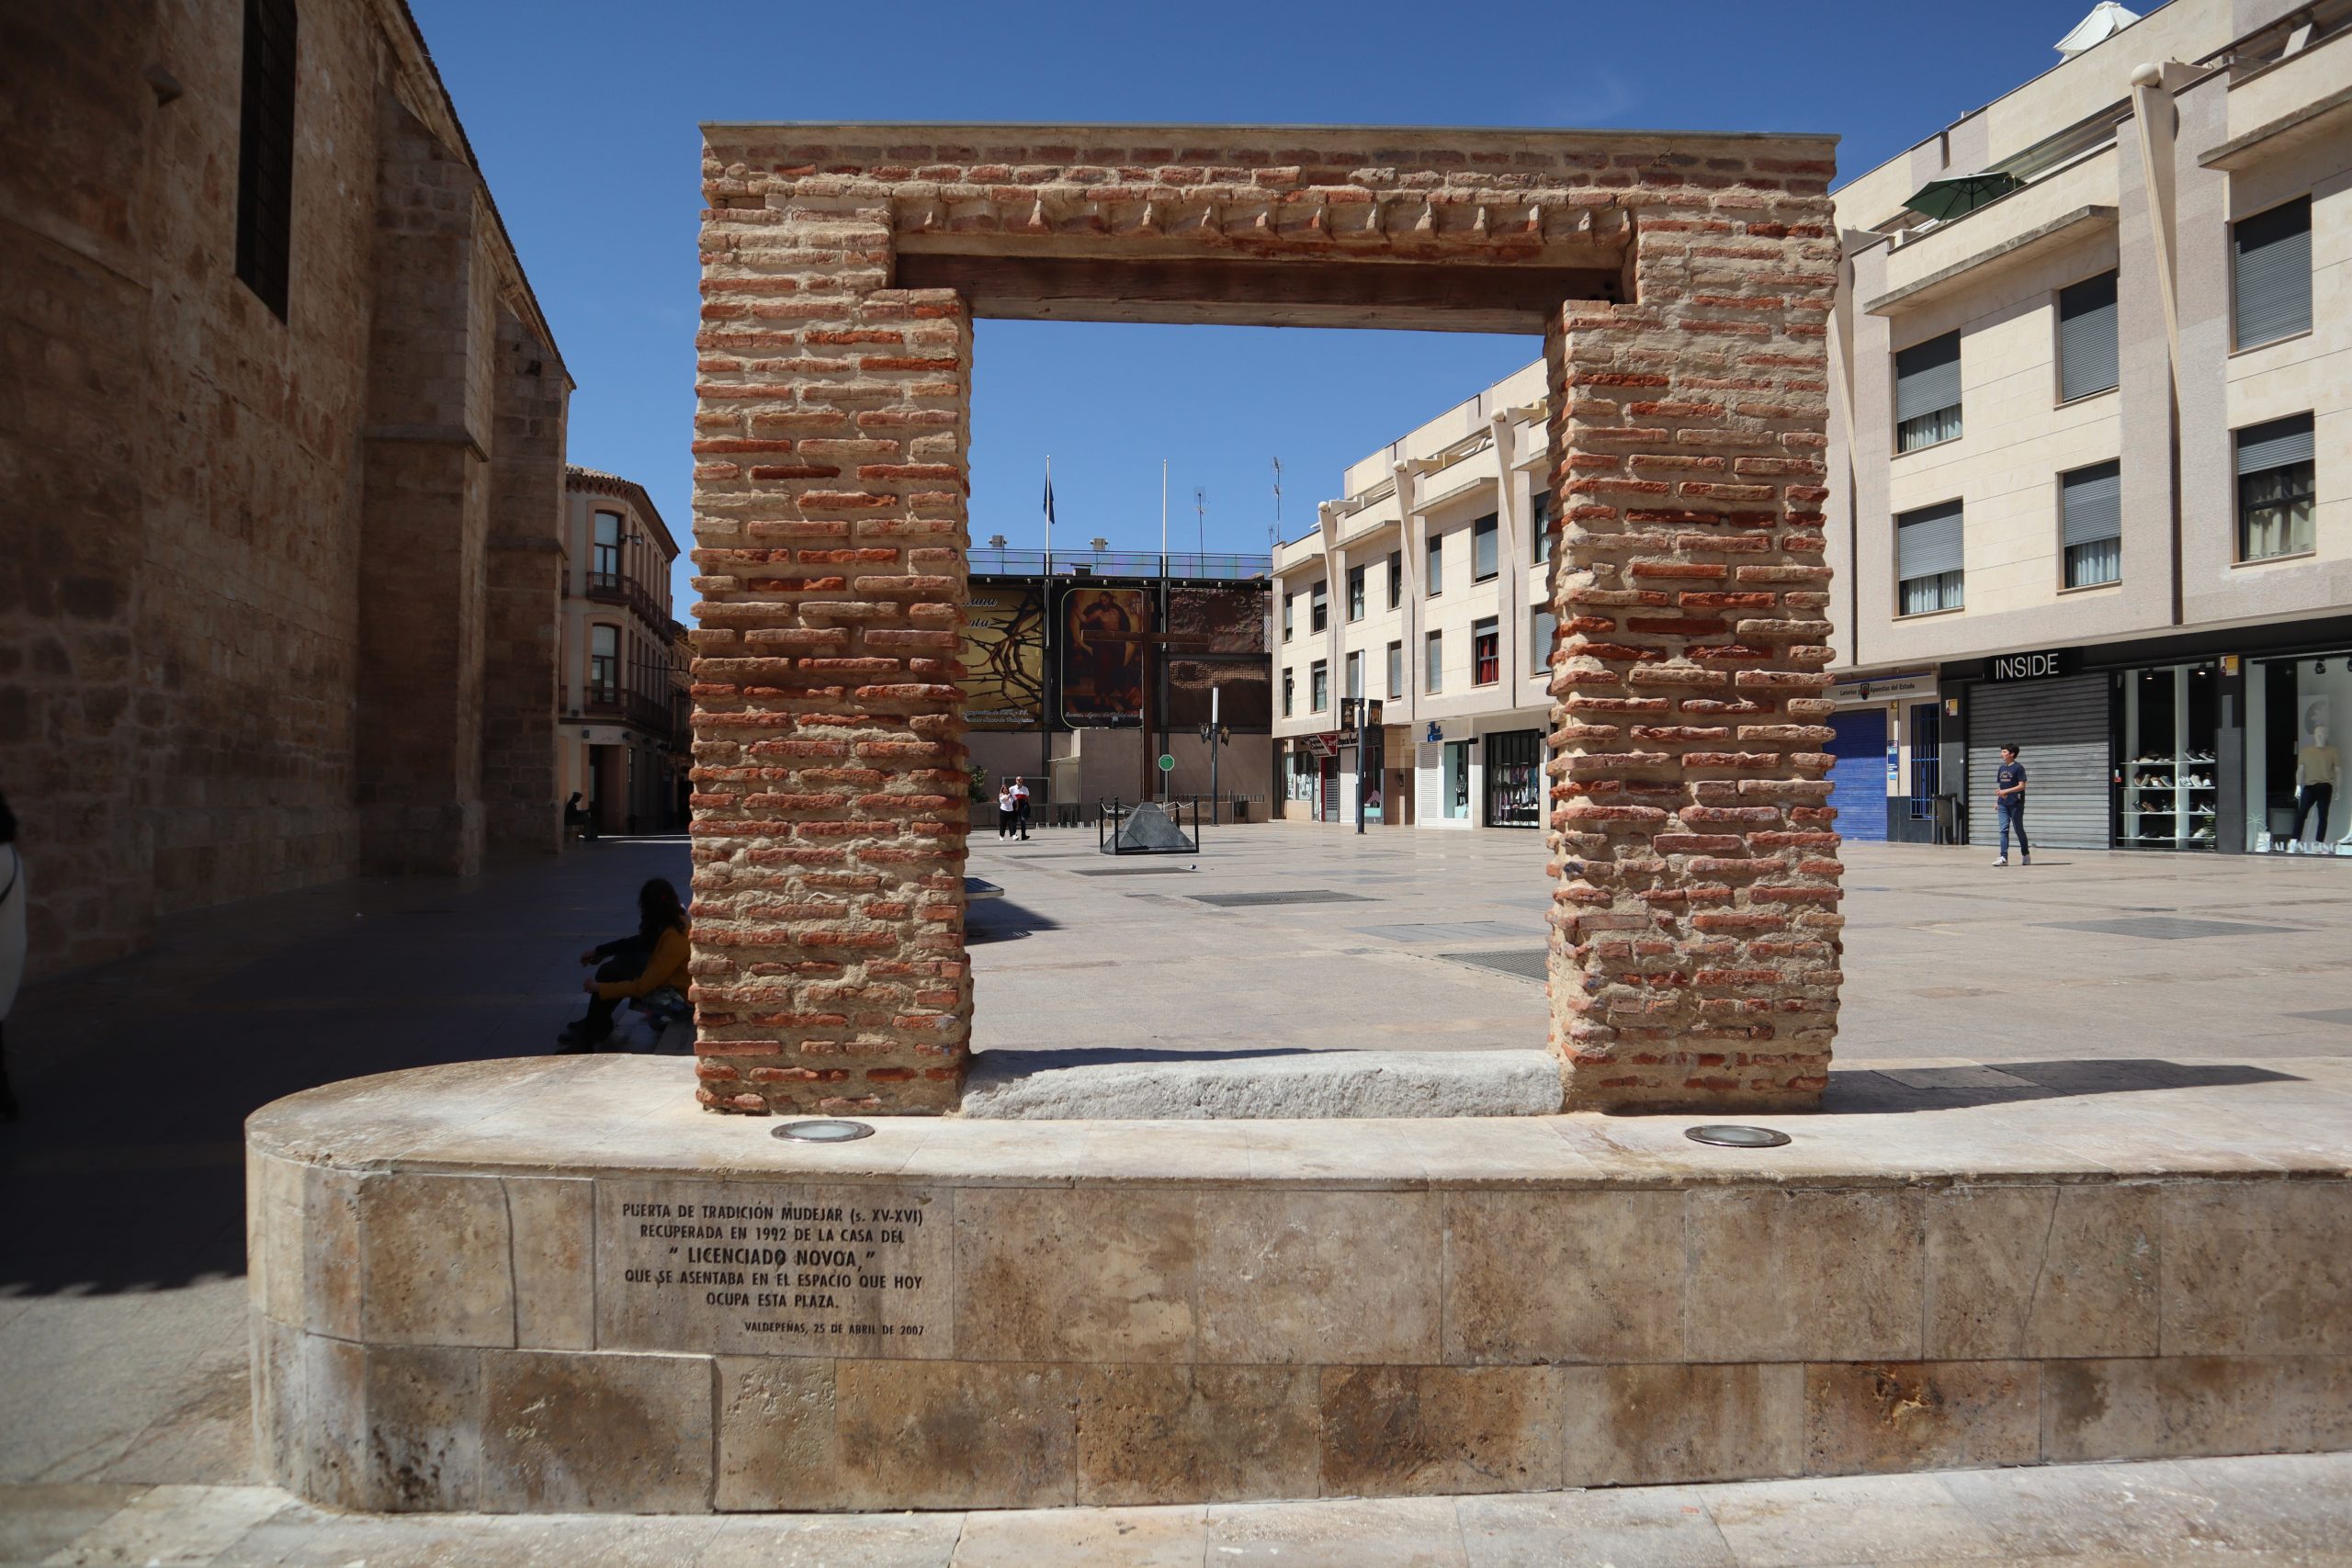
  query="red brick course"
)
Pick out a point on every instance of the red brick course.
point(1695, 878)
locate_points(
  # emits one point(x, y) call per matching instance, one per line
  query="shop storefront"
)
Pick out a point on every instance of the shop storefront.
point(2296, 711)
point(1885, 775)
point(1515, 780)
point(2222, 741)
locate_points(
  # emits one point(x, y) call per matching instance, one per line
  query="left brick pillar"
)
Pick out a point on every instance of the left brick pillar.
point(829, 809)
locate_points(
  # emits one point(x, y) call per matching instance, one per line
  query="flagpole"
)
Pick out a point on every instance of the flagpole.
point(1163, 517)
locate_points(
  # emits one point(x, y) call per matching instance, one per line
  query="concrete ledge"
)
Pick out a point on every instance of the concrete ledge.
point(545, 1285)
point(1076, 1085)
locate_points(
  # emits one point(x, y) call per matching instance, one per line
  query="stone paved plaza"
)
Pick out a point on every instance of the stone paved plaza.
point(2081, 955)
point(2284, 1511)
point(123, 1327)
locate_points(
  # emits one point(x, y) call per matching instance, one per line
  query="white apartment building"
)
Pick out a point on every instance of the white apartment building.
point(2091, 476)
point(1425, 588)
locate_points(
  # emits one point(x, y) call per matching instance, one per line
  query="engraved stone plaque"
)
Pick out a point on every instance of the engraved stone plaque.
point(773, 1269)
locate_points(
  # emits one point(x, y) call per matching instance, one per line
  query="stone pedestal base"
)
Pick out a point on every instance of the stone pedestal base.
point(551, 1285)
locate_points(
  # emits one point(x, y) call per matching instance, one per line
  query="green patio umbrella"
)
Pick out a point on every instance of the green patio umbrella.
point(1961, 192)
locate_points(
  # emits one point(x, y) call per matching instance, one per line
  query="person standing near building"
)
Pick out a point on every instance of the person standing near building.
point(2008, 799)
point(1005, 809)
point(1020, 793)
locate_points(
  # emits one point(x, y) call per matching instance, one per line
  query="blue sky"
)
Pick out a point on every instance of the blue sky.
point(583, 114)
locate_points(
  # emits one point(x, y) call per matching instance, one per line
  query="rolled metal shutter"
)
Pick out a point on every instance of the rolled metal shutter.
point(1858, 778)
point(2061, 730)
point(2087, 358)
point(2273, 258)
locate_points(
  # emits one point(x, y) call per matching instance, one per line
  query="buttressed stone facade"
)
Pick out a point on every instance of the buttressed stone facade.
point(1681, 283)
point(279, 579)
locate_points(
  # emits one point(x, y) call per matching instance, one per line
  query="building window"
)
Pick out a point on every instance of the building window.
point(2277, 484)
point(1543, 628)
point(1434, 583)
point(1355, 675)
point(1355, 594)
point(1927, 559)
point(1290, 690)
point(605, 558)
point(2272, 269)
point(1289, 604)
point(1319, 609)
point(2090, 507)
point(604, 663)
point(266, 153)
point(1483, 535)
point(2086, 351)
point(1396, 577)
point(1433, 662)
point(1926, 393)
point(1395, 669)
point(1485, 653)
point(1318, 686)
point(1539, 524)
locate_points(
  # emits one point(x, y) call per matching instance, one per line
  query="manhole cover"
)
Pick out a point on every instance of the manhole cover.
point(2160, 927)
point(1136, 871)
point(1300, 896)
point(1527, 963)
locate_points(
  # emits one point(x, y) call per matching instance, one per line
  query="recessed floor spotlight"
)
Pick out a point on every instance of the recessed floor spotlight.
point(1731, 1136)
point(823, 1132)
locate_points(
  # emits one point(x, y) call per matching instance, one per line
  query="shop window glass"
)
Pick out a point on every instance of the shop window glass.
point(2276, 487)
point(1485, 656)
point(2091, 515)
point(2170, 721)
point(2298, 715)
point(1926, 393)
point(1927, 559)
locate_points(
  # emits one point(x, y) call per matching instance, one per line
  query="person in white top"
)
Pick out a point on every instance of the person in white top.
point(12, 942)
point(1020, 793)
point(1004, 810)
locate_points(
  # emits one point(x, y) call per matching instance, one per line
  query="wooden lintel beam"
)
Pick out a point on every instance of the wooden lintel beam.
point(1332, 292)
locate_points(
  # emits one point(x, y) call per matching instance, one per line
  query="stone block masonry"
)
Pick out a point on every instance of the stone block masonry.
point(1683, 282)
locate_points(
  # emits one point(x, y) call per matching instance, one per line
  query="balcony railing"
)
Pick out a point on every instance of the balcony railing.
point(618, 587)
point(662, 715)
point(992, 562)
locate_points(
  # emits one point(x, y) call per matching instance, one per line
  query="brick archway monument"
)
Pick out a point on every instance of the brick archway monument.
point(1682, 284)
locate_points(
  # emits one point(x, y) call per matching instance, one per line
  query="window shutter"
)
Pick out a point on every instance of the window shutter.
point(1927, 542)
point(2093, 503)
point(2086, 337)
point(2275, 444)
point(1926, 376)
point(2274, 273)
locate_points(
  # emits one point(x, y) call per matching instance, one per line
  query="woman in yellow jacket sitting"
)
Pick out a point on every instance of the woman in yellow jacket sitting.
point(650, 966)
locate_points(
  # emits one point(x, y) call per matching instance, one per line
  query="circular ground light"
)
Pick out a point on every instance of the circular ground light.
point(823, 1132)
point(1731, 1136)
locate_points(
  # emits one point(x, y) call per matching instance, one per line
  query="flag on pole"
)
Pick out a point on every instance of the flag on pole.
point(1049, 493)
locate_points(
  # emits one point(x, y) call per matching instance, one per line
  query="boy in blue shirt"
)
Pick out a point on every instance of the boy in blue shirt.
point(2008, 799)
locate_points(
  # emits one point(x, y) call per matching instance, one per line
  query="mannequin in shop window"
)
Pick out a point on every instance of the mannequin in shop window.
point(2315, 769)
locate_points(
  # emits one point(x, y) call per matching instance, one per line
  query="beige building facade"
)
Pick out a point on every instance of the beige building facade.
point(1424, 587)
point(2092, 447)
point(621, 730)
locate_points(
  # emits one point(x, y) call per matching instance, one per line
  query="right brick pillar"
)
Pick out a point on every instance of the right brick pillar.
point(1695, 931)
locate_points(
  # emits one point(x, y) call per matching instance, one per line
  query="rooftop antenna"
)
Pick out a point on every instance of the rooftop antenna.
point(1201, 516)
point(1275, 533)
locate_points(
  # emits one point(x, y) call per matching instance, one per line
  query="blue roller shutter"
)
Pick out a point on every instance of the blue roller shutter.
point(1858, 778)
